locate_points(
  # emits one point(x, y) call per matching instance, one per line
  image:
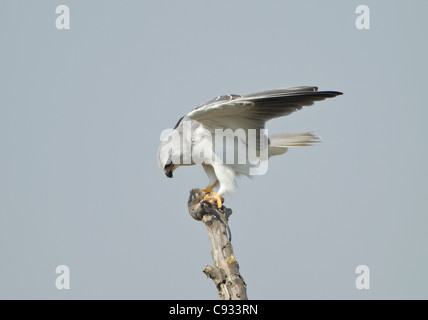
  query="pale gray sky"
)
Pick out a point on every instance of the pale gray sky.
point(81, 111)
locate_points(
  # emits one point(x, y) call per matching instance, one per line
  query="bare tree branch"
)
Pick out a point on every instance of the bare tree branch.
point(225, 272)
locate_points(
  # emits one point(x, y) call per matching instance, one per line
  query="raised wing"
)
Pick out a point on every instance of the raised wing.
point(253, 110)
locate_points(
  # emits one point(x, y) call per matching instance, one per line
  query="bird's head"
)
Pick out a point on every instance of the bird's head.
point(165, 158)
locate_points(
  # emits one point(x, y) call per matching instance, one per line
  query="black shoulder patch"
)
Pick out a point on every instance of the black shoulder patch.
point(178, 123)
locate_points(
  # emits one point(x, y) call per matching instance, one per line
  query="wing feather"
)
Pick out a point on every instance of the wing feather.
point(253, 110)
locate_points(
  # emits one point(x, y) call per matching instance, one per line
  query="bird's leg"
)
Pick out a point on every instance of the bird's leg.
point(214, 197)
point(209, 189)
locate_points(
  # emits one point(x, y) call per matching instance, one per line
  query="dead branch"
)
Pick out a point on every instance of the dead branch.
point(225, 272)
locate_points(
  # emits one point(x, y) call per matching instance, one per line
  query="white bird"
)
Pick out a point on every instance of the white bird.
point(245, 117)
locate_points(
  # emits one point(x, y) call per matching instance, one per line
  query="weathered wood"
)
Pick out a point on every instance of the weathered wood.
point(225, 272)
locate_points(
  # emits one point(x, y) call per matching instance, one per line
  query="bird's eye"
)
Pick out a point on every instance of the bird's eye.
point(168, 164)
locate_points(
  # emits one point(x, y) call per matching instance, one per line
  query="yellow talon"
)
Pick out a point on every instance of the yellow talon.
point(214, 197)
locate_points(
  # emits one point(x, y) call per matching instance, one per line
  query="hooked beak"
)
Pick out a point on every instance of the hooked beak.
point(168, 170)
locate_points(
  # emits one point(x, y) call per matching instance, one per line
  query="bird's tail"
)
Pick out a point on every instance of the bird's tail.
point(279, 143)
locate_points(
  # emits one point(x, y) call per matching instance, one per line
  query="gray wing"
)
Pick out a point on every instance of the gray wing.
point(253, 110)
